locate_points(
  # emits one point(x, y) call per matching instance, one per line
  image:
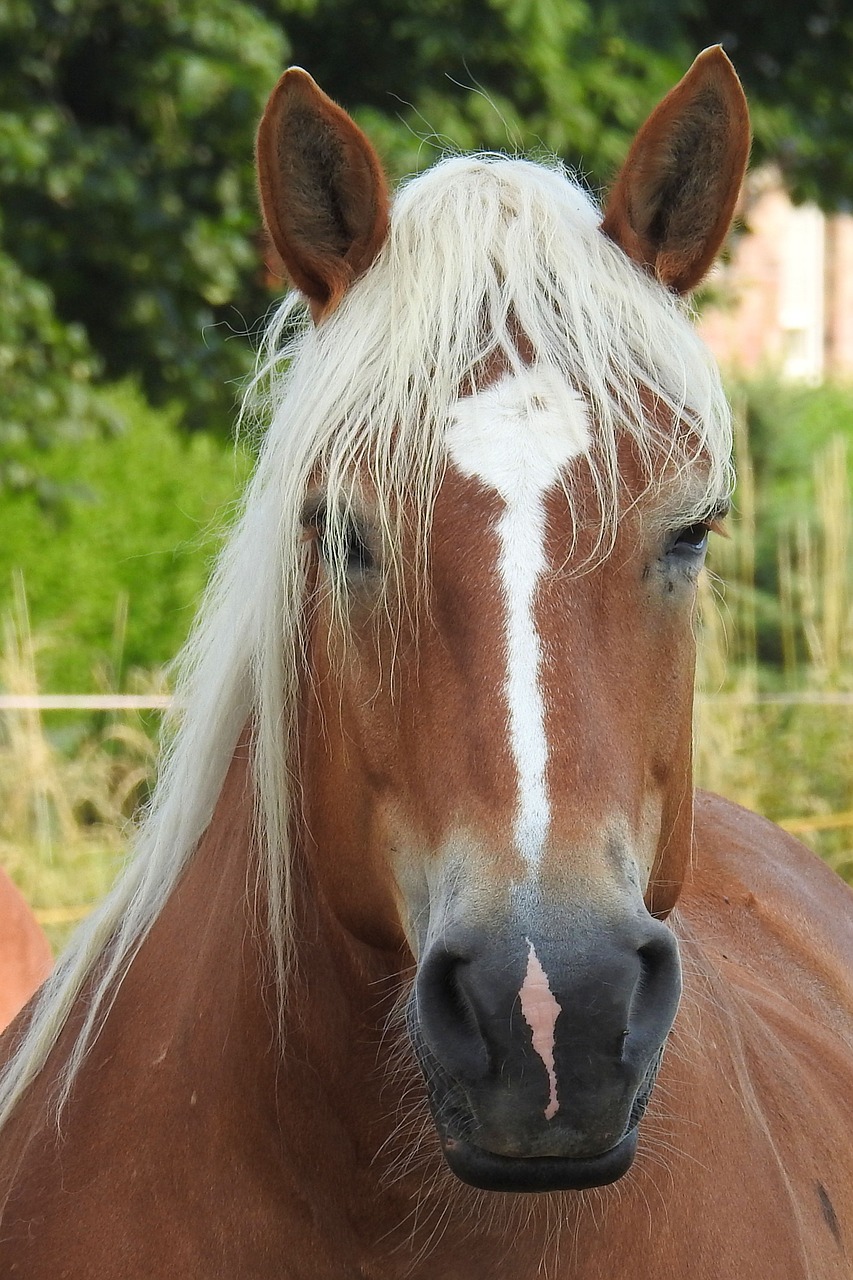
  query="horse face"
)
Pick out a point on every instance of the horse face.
point(507, 782)
point(499, 779)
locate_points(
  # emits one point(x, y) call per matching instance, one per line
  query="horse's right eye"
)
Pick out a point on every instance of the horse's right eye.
point(357, 556)
point(353, 554)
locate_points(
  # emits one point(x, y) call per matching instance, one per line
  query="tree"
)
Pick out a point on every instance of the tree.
point(579, 76)
point(561, 76)
point(46, 374)
point(126, 170)
point(796, 60)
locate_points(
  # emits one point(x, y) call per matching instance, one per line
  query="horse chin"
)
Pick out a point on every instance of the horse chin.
point(491, 1172)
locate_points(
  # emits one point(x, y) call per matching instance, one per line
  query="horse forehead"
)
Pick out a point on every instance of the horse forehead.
point(518, 434)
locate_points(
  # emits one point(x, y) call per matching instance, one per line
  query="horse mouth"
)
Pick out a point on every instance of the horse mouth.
point(466, 1151)
point(469, 1148)
point(490, 1172)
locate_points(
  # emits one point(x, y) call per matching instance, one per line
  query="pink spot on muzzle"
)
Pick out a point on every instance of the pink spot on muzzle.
point(541, 1011)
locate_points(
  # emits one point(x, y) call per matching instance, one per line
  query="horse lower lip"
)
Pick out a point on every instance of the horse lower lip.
point(481, 1168)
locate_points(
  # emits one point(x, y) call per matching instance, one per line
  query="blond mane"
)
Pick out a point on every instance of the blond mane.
point(480, 249)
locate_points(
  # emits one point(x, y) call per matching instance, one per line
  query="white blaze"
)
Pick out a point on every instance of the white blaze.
point(541, 1009)
point(516, 436)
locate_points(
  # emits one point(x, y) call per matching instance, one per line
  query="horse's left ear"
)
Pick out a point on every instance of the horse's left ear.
point(672, 203)
point(323, 192)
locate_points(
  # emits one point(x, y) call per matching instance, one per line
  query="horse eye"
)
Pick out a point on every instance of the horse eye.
point(356, 558)
point(692, 540)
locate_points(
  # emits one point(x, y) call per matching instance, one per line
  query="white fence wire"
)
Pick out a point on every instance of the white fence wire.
point(161, 702)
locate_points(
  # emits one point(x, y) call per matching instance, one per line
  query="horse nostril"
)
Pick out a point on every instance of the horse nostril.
point(653, 955)
point(658, 958)
point(447, 1016)
point(459, 1006)
point(658, 987)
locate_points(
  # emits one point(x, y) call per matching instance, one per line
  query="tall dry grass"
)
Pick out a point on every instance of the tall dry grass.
point(68, 792)
point(780, 741)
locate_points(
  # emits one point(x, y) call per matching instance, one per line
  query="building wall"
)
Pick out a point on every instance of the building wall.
point(784, 300)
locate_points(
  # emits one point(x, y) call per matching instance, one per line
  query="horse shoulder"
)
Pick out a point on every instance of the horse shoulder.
point(766, 933)
point(754, 884)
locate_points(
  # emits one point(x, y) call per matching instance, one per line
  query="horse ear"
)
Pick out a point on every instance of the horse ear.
point(323, 193)
point(672, 203)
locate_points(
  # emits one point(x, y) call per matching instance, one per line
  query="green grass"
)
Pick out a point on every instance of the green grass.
point(115, 565)
point(792, 763)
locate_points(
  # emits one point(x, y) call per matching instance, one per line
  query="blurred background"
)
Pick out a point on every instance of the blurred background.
point(134, 288)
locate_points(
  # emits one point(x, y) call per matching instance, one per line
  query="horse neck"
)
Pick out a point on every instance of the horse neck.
point(290, 1126)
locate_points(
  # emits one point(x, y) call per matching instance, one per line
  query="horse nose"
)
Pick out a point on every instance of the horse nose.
point(610, 995)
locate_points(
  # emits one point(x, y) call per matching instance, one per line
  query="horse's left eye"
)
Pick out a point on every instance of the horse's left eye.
point(691, 541)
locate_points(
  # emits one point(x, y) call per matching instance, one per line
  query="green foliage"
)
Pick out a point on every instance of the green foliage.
point(787, 425)
point(46, 372)
point(795, 62)
point(556, 75)
point(578, 77)
point(126, 167)
point(776, 622)
point(794, 764)
point(113, 574)
point(787, 428)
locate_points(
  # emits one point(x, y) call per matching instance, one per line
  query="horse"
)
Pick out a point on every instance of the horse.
point(25, 955)
point(429, 962)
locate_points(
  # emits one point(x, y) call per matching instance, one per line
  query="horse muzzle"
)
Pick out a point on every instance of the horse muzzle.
point(540, 1044)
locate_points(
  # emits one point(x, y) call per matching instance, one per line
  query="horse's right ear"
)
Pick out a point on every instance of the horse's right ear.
point(323, 193)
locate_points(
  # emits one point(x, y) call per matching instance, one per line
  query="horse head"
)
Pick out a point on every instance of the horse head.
point(524, 448)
